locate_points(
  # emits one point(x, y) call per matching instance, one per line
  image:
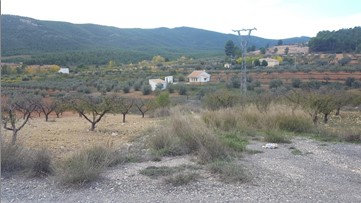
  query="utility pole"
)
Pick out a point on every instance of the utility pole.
point(244, 43)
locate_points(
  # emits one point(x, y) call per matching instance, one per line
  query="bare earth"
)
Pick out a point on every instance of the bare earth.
point(320, 172)
point(65, 135)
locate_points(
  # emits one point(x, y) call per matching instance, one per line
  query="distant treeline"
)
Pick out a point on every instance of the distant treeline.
point(341, 41)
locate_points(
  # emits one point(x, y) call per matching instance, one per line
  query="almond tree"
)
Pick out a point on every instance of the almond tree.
point(144, 105)
point(91, 108)
point(11, 106)
point(47, 106)
point(122, 105)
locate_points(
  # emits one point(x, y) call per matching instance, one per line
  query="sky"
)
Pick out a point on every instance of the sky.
point(273, 19)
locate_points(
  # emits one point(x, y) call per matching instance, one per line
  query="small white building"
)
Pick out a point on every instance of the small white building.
point(169, 79)
point(154, 83)
point(64, 70)
point(199, 76)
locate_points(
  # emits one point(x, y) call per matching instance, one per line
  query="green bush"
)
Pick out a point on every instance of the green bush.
point(183, 90)
point(147, 89)
point(235, 141)
point(126, 89)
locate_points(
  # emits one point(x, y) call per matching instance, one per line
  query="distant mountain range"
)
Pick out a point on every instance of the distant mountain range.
point(27, 36)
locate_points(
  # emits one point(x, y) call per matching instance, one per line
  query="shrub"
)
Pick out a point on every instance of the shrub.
point(41, 164)
point(84, 166)
point(126, 89)
point(163, 99)
point(182, 90)
point(160, 112)
point(220, 99)
point(170, 88)
point(296, 83)
point(275, 83)
point(295, 123)
point(229, 172)
point(137, 86)
point(276, 137)
point(235, 141)
point(181, 179)
point(147, 89)
point(13, 157)
point(186, 135)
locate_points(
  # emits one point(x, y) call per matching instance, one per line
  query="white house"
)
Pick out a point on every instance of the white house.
point(199, 76)
point(270, 62)
point(154, 83)
point(169, 79)
point(64, 70)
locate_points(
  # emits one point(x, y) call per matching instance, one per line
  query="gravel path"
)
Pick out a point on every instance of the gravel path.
point(314, 172)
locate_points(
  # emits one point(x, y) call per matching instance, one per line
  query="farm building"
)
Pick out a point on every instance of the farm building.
point(159, 83)
point(64, 70)
point(199, 76)
point(270, 62)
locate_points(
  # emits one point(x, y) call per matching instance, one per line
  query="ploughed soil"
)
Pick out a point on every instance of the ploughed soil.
point(286, 77)
point(70, 133)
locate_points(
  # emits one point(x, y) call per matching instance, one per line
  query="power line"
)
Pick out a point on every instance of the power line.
point(244, 43)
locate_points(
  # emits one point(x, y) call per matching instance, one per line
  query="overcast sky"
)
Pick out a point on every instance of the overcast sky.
point(274, 19)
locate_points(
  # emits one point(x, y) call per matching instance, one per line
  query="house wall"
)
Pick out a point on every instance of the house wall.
point(153, 85)
point(199, 79)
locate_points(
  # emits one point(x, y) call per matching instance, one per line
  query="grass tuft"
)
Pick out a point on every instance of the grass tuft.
point(229, 172)
point(41, 164)
point(84, 166)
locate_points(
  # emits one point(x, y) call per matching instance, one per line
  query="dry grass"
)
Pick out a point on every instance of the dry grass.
point(277, 117)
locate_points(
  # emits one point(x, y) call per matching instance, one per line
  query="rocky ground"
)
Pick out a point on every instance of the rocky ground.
point(303, 171)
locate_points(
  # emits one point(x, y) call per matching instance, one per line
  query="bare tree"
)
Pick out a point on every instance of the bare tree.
point(91, 108)
point(11, 106)
point(144, 105)
point(122, 105)
point(47, 105)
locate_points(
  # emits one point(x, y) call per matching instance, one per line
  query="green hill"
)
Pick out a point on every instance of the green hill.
point(62, 41)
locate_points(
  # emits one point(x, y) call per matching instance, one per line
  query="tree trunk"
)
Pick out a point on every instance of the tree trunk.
point(124, 117)
point(58, 115)
point(325, 118)
point(15, 134)
point(46, 117)
point(143, 115)
point(315, 119)
point(338, 111)
point(92, 128)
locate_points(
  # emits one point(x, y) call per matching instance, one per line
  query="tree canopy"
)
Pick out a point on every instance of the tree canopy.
point(344, 40)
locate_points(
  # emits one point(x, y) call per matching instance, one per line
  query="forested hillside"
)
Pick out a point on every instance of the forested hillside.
point(62, 42)
point(344, 40)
